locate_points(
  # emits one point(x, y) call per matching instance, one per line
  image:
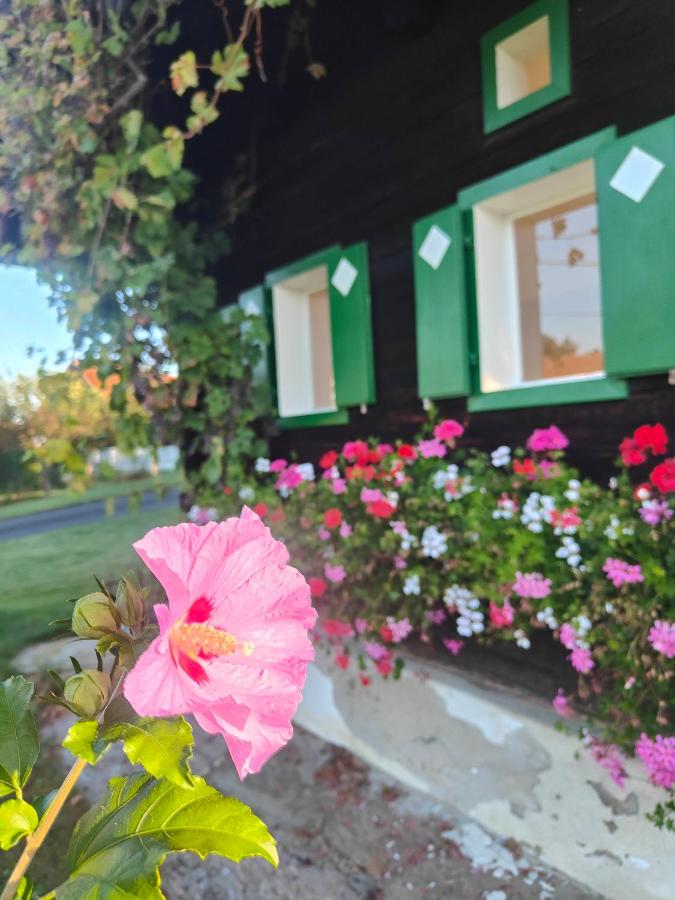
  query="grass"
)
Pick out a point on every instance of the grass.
point(39, 574)
point(100, 491)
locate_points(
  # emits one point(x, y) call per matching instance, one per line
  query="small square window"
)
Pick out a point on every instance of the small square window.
point(303, 344)
point(538, 282)
point(525, 63)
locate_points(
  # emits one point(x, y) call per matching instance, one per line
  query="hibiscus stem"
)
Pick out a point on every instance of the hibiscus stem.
point(34, 842)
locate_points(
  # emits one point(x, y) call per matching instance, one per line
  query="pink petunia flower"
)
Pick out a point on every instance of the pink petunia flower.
point(658, 756)
point(532, 585)
point(453, 646)
point(432, 448)
point(662, 638)
point(448, 430)
point(233, 648)
point(581, 659)
point(620, 572)
point(336, 574)
point(562, 706)
point(543, 439)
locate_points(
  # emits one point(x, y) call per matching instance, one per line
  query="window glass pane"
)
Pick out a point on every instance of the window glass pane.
point(523, 63)
point(559, 291)
point(303, 345)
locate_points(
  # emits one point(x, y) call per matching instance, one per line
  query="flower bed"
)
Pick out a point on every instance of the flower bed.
point(455, 546)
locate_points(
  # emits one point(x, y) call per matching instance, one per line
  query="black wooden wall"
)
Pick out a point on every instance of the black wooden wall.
point(392, 133)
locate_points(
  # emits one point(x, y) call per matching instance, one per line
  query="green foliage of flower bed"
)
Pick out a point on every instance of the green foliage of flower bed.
point(459, 546)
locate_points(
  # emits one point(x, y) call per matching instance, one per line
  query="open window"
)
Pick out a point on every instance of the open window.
point(526, 63)
point(320, 359)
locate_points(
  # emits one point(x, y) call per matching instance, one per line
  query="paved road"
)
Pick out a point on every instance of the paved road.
point(77, 514)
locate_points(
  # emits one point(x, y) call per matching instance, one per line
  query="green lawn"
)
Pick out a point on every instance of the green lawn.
point(100, 491)
point(39, 574)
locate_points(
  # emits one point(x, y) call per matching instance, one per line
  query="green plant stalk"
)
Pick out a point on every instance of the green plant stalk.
point(35, 841)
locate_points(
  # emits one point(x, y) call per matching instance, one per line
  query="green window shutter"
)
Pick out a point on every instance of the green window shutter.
point(635, 182)
point(441, 305)
point(351, 327)
point(256, 303)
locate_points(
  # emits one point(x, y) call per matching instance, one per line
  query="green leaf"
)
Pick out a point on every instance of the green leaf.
point(131, 123)
point(168, 35)
point(123, 198)
point(19, 743)
point(230, 67)
point(117, 846)
point(184, 72)
point(17, 820)
point(82, 740)
point(162, 746)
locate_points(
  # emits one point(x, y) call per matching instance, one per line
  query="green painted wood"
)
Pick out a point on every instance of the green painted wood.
point(314, 420)
point(351, 330)
point(555, 161)
point(320, 258)
point(254, 302)
point(441, 311)
point(637, 257)
point(561, 80)
point(590, 391)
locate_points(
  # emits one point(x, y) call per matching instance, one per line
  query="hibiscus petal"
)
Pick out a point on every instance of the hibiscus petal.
point(155, 686)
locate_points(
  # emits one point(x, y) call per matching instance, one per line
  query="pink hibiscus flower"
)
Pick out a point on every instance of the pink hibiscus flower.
point(233, 648)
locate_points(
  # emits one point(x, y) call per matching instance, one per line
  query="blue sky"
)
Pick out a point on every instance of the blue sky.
point(27, 319)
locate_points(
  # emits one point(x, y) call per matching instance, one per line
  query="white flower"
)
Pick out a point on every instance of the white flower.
point(506, 507)
point(537, 509)
point(246, 493)
point(546, 616)
point(573, 491)
point(306, 471)
point(569, 551)
point(501, 456)
point(609, 608)
point(392, 497)
point(470, 619)
point(582, 625)
point(262, 464)
point(613, 483)
point(434, 542)
point(412, 585)
point(521, 639)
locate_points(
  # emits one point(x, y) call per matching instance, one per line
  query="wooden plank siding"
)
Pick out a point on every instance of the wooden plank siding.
point(392, 134)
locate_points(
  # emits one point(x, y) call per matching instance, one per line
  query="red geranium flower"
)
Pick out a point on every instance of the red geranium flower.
point(332, 518)
point(227, 490)
point(407, 452)
point(385, 666)
point(277, 515)
point(317, 587)
point(365, 681)
point(651, 437)
point(260, 509)
point(381, 509)
point(386, 634)
point(328, 460)
point(356, 451)
point(342, 661)
point(631, 454)
point(336, 628)
point(663, 476)
point(526, 467)
point(354, 473)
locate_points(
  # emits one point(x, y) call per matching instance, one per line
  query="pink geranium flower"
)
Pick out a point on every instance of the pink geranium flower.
point(658, 756)
point(371, 495)
point(233, 648)
point(568, 636)
point(662, 638)
point(562, 705)
point(435, 616)
point(620, 572)
point(532, 585)
point(609, 757)
point(399, 630)
point(453, 646)
point(432, 448)
point(448, 430)
point(336, 574)
point(278, 465)
point(338, 486)
point(544, 439)
point(581, 659)
point(375, 651)
point(501, 616)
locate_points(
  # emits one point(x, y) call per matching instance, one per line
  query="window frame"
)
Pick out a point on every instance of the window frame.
point(327, 257)
point(577, 390)
point(561, 77)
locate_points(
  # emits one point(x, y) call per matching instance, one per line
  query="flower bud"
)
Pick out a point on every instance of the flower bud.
point(95, 616)
point(87, 692)
point(130, 603)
